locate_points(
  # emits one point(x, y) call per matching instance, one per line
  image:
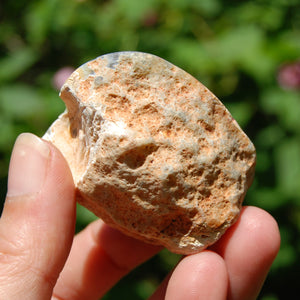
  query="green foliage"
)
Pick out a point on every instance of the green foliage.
point(16, 63)
point(234, 47)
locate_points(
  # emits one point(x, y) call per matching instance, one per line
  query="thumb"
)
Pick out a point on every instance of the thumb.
point(37, 223)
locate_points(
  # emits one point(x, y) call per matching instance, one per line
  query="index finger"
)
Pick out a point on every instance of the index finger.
point(99, 258)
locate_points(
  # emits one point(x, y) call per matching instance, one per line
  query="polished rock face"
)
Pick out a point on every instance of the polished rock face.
point(152, 151)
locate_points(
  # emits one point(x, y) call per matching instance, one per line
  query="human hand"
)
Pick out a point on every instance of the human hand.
point(38, 260)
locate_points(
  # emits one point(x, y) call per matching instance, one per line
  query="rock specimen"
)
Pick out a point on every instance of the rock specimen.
point(152, 151)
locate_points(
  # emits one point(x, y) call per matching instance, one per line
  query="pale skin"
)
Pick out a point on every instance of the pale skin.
point(41, 259)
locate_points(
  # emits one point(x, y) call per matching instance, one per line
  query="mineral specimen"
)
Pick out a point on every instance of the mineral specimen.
point(152, 151)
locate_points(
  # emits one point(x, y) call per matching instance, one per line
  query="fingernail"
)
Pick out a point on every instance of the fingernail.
point(28, 165)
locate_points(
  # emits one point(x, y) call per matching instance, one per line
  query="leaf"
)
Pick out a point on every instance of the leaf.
point(269, 297)
point(241, 112)
point(287, 158)
point(208, 8)
point(145, 288)
point(284, 104)
point(134, 10)
point(19, 101)
point(6, 133)
point(16, 63)
point(39, 19)
point(287, 255)
point(267, 198)
point(270, 136)
point(84, 216)
point(255, 12)
point(243, 46)
point(192, 56)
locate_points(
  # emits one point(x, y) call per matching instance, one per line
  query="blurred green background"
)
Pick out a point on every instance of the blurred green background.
point(246, 52)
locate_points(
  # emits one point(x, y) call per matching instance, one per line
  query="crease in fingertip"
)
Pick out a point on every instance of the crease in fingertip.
point(28, 166)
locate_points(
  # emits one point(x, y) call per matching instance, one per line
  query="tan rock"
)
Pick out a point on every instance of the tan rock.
point(153, 152)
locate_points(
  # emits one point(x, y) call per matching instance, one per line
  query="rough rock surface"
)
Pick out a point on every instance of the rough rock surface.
point(153, 152)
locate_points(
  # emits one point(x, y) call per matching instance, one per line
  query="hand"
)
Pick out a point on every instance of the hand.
point(38, 260)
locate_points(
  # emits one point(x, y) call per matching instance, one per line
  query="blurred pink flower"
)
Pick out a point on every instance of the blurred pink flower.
point(61, 76)
point(289, 76)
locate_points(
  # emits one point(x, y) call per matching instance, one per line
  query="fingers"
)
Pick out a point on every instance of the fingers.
point(249, 248)
point(236, 270)
point(199, 276)
point(37, 224)
point(99, 257)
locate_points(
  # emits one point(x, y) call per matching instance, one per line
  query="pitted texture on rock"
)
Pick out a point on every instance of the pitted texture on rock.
point(153, 152)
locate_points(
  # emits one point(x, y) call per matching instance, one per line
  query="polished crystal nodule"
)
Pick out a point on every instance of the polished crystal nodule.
point(152, 151)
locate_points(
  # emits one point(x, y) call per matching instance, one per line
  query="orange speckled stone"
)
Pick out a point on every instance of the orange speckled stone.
point(152, 151)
